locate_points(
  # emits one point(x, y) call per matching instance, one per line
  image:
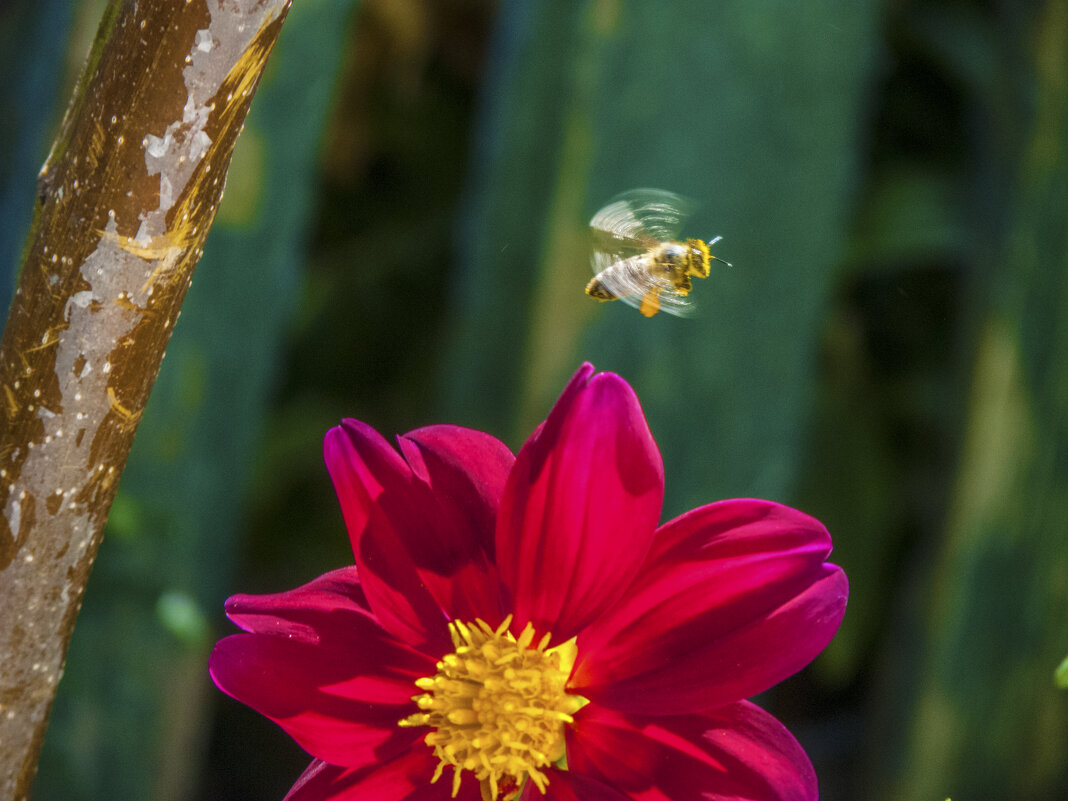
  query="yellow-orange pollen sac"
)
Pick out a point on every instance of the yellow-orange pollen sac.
point(498, 706)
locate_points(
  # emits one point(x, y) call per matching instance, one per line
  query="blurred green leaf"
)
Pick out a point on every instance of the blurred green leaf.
point(182, 616)
point(976, 710)
point(125, 519)
point(1060, 675)
point(912, 215)
point(33, 35)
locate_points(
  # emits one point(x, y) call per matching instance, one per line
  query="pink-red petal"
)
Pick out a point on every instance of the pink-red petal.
point(403, 778)
point(580, 506)
point(566, 785)
point(465, 471)
point(317, 662)
point(736, 753)
point(421, 523)
point(735, 597)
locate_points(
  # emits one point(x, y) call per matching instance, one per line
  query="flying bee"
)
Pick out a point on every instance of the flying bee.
point(637, 257)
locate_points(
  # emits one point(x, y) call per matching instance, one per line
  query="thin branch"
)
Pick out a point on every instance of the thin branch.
point(125, 203)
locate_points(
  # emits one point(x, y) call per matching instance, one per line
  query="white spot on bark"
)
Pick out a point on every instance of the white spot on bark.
point(156, 146)
point(166, 195)
point(200, 145)
point(80, 299)
point(173, 154)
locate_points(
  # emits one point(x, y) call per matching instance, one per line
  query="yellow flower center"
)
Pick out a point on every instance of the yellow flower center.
point(498, 706)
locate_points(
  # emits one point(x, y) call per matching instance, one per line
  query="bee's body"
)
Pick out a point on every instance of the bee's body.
point(667, 267)
point(658, 275)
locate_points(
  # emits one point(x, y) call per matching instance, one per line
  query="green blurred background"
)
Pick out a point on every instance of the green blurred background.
point(403, 240)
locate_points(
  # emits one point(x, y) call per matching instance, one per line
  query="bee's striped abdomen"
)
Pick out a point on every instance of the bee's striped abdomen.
point(623, 278)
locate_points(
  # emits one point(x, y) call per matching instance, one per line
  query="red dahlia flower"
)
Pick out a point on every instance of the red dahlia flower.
point(520, 627)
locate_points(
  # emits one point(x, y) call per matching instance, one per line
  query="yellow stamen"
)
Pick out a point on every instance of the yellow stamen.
point(498, 706)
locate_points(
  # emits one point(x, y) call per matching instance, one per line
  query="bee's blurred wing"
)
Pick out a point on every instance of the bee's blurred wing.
point(661, 300)
point(679, 305)
point(667, 299)
point(631, 285)
point(643, 215)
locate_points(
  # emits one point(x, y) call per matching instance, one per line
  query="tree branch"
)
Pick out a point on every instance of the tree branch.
point(126, 200)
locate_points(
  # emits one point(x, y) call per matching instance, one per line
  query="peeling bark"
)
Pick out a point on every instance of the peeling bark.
point(125, 202)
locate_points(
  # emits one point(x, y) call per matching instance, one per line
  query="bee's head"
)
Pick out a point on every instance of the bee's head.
point(713, 241)
point(698, 257)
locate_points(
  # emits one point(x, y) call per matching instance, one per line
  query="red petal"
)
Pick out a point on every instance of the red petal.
point(737, 753)
point(565, 785)
point(405, 778)
point(421, 529)
point(580, 506)
point(317, 662)
point(735, 597)
point(466, 471)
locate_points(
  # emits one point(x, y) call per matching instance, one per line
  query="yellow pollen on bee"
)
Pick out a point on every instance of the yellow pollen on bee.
point(498, 706)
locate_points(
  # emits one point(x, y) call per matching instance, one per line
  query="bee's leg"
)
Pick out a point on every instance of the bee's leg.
point(650, 302)
point(683, 285)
